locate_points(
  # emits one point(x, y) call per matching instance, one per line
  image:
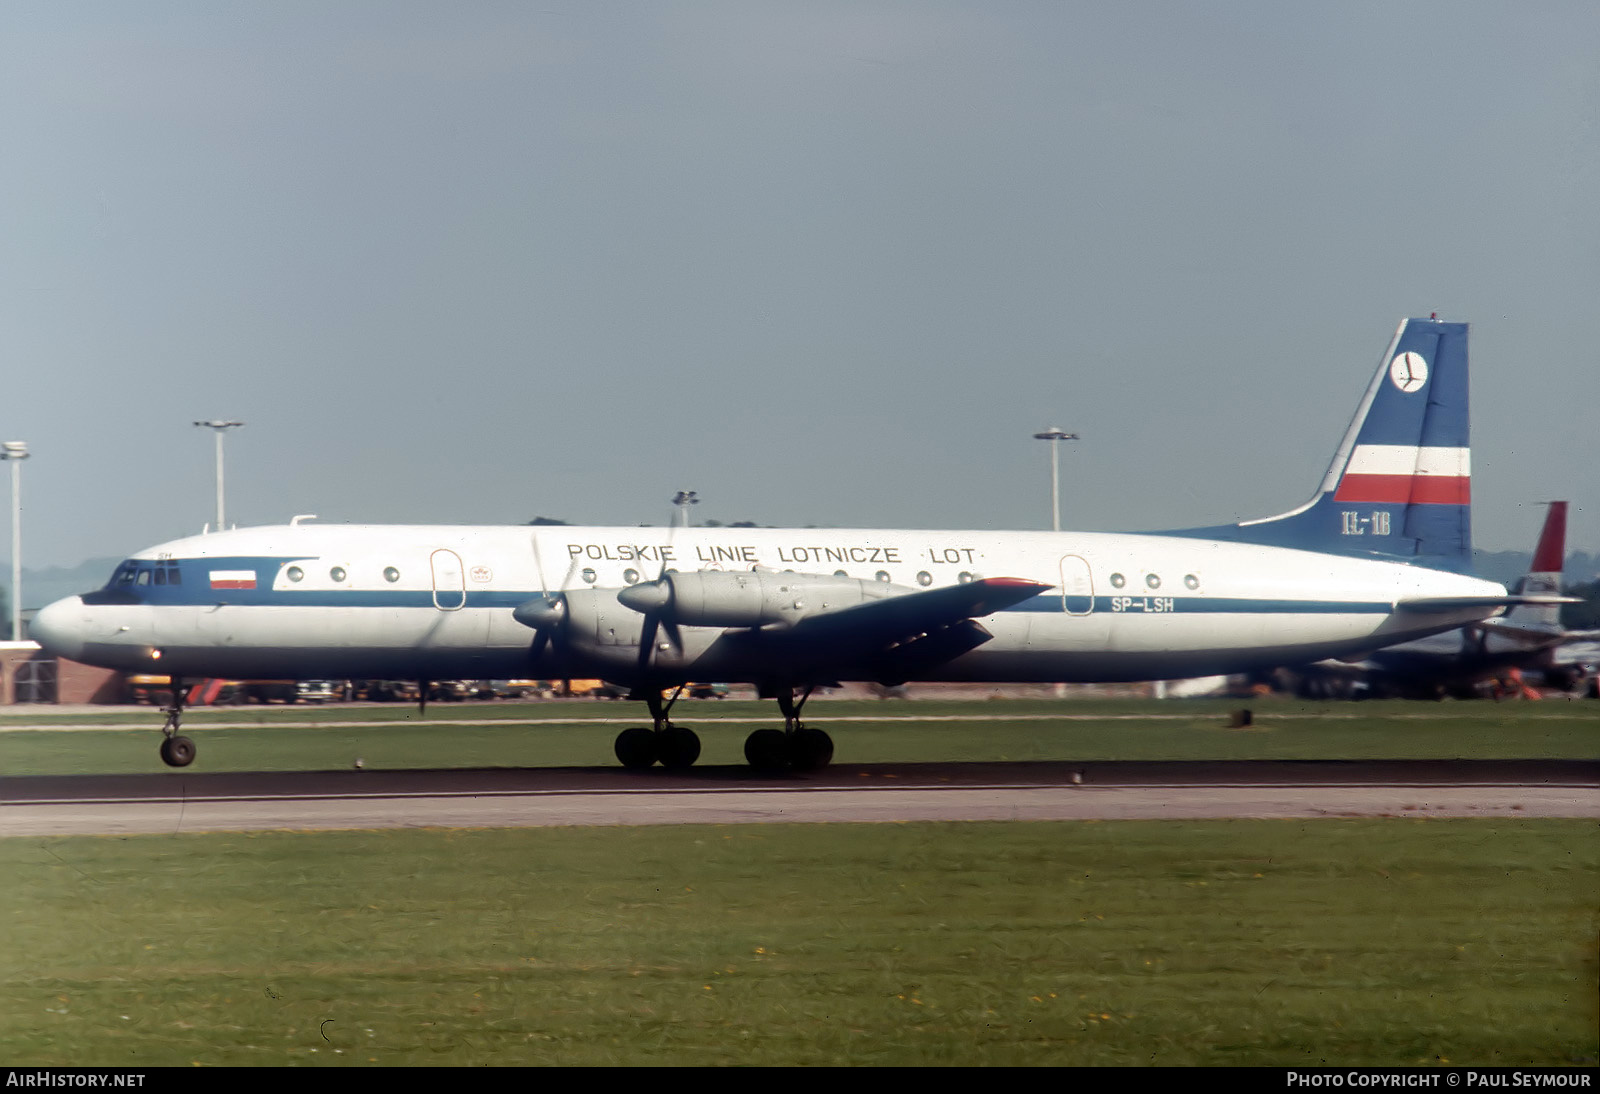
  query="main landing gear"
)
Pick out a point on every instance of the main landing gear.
point(795, 747)
point(176, 750)
point(675, 747)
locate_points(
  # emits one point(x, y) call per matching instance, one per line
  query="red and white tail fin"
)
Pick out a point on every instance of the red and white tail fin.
point(1544, 575)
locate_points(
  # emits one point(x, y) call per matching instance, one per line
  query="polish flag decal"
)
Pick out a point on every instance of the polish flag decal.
point(1387, 474)
point(233, 579)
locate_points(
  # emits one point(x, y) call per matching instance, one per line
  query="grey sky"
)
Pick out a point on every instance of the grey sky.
point(822, 263)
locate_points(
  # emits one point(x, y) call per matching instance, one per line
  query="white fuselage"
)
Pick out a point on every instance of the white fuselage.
point(436, 601)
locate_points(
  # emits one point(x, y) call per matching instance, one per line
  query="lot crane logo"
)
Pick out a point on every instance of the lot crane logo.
point(1408, 372)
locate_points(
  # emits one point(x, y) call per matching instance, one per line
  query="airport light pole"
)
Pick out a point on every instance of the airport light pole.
point(683, 499)
point(15, 452)
point(220, 428)
point(1055, 437)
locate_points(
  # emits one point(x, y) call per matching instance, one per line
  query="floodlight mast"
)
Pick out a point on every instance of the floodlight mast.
point(220, 427)
point(683, 499)
point(1055, 437)
point(14, 452)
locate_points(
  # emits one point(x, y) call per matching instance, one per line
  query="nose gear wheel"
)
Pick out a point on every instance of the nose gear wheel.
point(176, 750)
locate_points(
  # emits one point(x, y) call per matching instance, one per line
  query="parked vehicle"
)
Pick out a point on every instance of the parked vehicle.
point(319, 691)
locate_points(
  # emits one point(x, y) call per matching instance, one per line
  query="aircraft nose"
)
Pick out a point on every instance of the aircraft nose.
point(58, 627)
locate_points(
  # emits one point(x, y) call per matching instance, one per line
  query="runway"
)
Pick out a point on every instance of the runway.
point(180, 802)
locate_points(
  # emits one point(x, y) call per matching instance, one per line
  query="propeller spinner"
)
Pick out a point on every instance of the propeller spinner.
point(544, 615)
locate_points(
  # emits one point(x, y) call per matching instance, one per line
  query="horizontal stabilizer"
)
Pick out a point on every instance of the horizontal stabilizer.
point(1535, 633)
point(1509, 625)
point(1441, 605)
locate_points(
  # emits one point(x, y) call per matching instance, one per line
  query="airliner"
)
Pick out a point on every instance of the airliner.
point(1372, 559)
point(1492, 652)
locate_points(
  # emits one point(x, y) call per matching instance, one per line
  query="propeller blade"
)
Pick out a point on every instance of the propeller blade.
point(544, 615)
point(647, 642)
point(538, 565)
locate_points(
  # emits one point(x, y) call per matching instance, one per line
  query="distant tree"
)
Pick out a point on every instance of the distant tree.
point(744, 524)
point(711, 524)
point(546, 520)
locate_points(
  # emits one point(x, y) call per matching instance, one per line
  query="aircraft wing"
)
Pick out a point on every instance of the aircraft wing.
point(899, 636)
point(897, 618)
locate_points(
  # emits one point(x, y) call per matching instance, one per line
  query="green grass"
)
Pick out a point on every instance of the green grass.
point(522, 735)
point(1245, 942)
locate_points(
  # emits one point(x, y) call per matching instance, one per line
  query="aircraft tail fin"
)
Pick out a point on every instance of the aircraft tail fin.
point(1544, 574)
point(1399, 485)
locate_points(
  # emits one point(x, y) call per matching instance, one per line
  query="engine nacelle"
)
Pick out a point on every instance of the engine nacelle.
point(755, 598)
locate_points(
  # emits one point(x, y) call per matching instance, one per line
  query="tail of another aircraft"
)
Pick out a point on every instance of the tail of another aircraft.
point(1399, 486)
point(1544, 575)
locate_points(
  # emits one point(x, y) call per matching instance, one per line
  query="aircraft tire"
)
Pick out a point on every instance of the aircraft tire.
point(679, 747)
point(767, 750)
point(636, 748)
point(177, 752)
point(810, 749)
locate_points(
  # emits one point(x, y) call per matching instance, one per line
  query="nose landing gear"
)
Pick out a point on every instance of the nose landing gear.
point(176, 750)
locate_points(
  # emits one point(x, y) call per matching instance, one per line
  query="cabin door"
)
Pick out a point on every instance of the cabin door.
point(449, 580)
point(1077, 585)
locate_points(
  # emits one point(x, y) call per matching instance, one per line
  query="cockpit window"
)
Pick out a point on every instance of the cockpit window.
point(133, 572)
